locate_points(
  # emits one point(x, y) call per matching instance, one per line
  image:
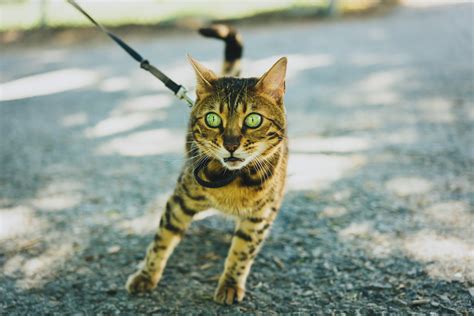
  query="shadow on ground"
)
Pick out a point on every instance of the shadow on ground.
point(378, 215)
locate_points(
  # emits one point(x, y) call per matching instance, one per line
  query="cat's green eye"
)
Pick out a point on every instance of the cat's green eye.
point(253, 120)
point(213, 120)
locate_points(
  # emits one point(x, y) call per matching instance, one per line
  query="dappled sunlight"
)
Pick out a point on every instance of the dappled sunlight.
point(47, 83)
point(333, 211)
point(75, 119)
point(117, 124)
point(18, 221)
point(115, 84)
point(150, 142)
point(447, 257)
point(382, 80)
point(370, 59)
point(148, 221)
point(356, 230)
point(315, 172)
point(406, 186)
point(401, 136)
point(377, 244)
point(130, 114)
point(36, 271)
point(58, 201)
point(435, 110)
point(312, 144)
point(147, 103)
point(378, 88)
point(58, 195)
point(452, 213)
point(298, 63)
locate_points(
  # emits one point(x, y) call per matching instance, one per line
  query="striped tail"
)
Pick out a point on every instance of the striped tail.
point(233, 46)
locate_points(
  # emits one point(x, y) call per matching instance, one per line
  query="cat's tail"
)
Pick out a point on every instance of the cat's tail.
point(233, 46)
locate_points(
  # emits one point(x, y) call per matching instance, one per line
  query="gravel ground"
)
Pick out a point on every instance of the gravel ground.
point(378, 216)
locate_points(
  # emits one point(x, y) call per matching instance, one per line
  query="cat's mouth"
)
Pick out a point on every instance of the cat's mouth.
point(233, 163)
point(232, 159)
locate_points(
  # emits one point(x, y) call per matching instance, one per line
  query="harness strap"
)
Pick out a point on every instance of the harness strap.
point(177, 89)
point(217, 183)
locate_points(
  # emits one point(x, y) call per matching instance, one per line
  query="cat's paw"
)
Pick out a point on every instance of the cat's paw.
point(139, 282)
point(229, 294)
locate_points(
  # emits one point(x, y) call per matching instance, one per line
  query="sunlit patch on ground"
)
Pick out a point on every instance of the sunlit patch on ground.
point(402, 136)
point(118, 124)
point(406, 186)
point(452, 213)
point(299, 62)
point(130, 114)
point(59, 195)
point(436, 110)
point(333, 211)
point(377, 244)
point(17, 221)
point(47, 83)
point(376, 89)
point(447, 257)
point(329, 144)
point(57, 202)
point(315, 172)
point(114, 84)
point(147, 103)
point(151, 142)
point(36, 271)
point(75, 119)
point(374, 59)
point(150, 218)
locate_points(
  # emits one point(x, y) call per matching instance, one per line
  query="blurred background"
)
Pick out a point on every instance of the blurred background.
point(31, 14)
point(378, 215)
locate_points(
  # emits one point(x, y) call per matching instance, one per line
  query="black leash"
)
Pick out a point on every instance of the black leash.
point(177, 89)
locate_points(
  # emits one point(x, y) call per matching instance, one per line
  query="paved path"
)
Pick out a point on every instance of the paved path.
point(378, 215)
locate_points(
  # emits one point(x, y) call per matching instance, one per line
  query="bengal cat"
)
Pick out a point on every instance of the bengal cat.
point(236, 163)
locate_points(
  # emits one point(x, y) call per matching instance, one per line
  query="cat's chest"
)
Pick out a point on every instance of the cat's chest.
point(237, 200)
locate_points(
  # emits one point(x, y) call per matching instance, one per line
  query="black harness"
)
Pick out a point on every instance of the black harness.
point(180, 91)
point(221, 181)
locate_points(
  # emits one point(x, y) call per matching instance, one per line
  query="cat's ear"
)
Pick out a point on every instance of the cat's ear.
point(272, 82)
point(205, 77)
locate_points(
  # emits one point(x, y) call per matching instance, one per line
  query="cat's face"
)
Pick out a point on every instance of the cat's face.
point(236, 120)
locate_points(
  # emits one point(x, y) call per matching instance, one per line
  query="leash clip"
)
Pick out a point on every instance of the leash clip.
point(182, 95)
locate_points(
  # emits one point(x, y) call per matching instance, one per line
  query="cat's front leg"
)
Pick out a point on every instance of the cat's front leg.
point(246, 243)
point(179, 212)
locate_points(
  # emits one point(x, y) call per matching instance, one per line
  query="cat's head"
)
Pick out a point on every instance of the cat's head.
point(239, 120)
